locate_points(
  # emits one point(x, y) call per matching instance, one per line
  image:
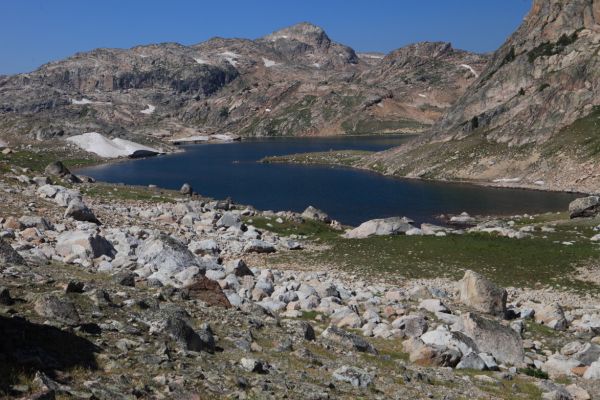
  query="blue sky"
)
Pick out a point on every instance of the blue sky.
point(34, 32)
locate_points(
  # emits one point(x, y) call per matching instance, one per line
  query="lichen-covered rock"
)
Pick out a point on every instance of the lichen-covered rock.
point(481, 294)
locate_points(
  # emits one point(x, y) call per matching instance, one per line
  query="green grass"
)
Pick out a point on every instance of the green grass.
point(534, 372)
point(339, 157)
point(139, 193)
point(581, 138)
point(38, 161)
point(530, 262)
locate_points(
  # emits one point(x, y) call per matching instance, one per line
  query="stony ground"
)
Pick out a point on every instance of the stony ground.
point(112, 292)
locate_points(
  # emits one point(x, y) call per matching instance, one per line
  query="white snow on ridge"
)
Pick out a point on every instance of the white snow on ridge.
point(470, 69)
point(149, 110)
point(507, 180)
point(81, 102)
point(200, 60)
point(376, 56)
point(95, 142)
point(230, 56)
point(268, 63)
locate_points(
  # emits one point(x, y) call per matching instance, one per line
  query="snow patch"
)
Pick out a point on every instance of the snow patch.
point(376, 56)
point(268, 63)
point(317, 65)
point(200, 60)
point(148, 110)
point(81, 102)
point(267, 110)
point(422, 95)
point(539, 183)
point(97, 143)
point(470, 69)
point(231, 57)
point(507, 180)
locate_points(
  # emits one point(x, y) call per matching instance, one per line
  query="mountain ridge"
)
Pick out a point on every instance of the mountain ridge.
point(301, 84)
point(530, 118)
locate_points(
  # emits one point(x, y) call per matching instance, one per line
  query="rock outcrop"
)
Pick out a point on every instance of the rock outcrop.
point(529, 119)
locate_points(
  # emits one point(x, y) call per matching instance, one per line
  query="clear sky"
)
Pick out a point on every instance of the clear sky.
point(34, 32)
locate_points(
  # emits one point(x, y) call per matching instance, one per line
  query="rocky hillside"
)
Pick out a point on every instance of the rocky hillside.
point(295, 81)
point(117, 292)
point(531, 117)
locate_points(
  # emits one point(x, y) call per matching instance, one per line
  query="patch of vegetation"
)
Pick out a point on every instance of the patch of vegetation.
point(372, 126)
point(543, 86)
point(548, 49)
point(37, 162)
point(139, 193)
point(509, 57)
point(581, 138)
point(338, 157)
point(537, 262)
point(534, 372)
point(224, 113)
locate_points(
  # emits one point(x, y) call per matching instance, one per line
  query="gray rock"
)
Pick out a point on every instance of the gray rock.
point(380, 227)
point(57, 309)
point(5, 298)
point(355, 376)
point(178, 328)
point(203, 247)
point(8, 255)
point(411, 325)
point(165, 256)
point(479, 293)
point(471, 361)
point(80, 212)
point(238, 268)
point(253, 365)
point(125, 278)
point(315, 214)
point(492, 337)
point(56, 168)
point(229, 219)
point(584, 207)
point(258, 246)
point(551, 315)
point(347, 340)
point(35, 221)
point(186, 189)
point(83, 244)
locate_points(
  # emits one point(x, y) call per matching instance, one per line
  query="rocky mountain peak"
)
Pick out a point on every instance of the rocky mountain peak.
point(303, 32)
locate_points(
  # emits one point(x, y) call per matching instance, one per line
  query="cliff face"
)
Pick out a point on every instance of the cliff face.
point(295, 81)
point(531, 118)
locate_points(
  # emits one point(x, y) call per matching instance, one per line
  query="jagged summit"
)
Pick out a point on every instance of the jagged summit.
point(304, 32)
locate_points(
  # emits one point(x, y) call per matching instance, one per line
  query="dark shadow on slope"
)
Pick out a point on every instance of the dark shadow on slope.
point(26, 347)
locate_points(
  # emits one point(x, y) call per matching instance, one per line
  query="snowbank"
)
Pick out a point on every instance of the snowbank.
point(507, 180)
point(95, 142)
point(148, 110)
point(83, 101)
point(470, 69)
point(268, 63)
point(231, 57)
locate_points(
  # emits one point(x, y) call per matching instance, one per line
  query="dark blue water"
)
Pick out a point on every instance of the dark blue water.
point(350, 196)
